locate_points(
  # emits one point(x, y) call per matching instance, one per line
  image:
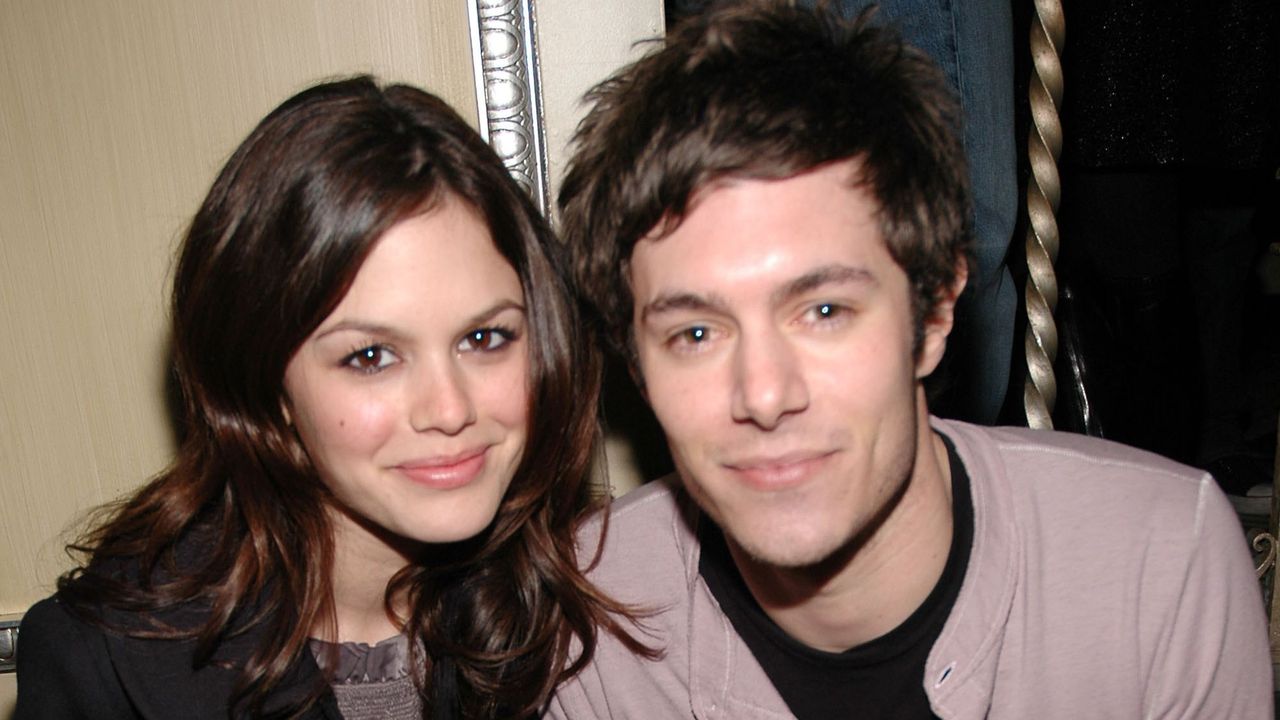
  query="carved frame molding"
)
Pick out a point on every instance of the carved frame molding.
point(504, 59)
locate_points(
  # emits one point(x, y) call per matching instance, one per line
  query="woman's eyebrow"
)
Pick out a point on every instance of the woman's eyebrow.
point(366, 327)
point(379, 329)
point(495, 310)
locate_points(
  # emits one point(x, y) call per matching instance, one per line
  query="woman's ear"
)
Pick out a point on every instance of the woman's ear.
point(937, 327)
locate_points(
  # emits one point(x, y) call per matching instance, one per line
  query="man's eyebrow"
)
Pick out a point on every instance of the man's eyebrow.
point(834, 274)
point(671, 302)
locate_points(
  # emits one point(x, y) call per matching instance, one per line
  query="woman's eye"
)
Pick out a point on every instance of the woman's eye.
point(485, 339)
point(371, 359)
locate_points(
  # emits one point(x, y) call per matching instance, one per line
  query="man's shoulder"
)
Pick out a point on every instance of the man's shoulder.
point(651, 509)
point(1042, 459)
point(655, 500)
point(1059, 487)
point(650, 541)
point(1088, 557)
point(1069, 448)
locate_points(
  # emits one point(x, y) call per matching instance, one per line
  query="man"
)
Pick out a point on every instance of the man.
point(769, 217)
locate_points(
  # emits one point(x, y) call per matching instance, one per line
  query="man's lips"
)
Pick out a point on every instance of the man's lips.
point(779, 472)
point(445, 472)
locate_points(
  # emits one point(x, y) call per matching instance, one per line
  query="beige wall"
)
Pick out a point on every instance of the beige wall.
point(115, 116)
point(579, 48)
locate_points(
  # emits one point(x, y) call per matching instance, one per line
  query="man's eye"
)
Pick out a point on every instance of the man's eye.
point(690, 338)
point(485, 339)
point(694, 335)
point(823, 312)
point(371, 359)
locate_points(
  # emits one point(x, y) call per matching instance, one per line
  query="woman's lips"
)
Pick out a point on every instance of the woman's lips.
point(445, 472)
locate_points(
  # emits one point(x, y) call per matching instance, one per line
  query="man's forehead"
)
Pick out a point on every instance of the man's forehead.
point(818, 278)
point(671, 220)
point(744, 248)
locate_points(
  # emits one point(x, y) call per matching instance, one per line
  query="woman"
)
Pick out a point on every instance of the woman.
point(388, 427)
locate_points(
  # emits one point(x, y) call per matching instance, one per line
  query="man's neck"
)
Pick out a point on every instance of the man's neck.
point(874, 584)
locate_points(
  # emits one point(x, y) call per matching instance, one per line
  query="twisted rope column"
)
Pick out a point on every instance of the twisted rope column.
point(1044, 144)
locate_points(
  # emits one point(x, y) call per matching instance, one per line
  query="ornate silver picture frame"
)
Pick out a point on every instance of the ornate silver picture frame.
point(508, 97)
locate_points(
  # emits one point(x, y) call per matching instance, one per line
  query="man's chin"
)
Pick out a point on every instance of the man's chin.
point(782, 552)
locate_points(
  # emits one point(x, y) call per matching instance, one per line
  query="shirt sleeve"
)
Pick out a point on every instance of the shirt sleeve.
point(582, 697)
point(1215, 660)
point(64, 670)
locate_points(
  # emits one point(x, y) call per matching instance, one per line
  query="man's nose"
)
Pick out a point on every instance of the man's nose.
point(768, 380)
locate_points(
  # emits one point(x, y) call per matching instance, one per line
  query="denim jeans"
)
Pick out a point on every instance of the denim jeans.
point(973, 42)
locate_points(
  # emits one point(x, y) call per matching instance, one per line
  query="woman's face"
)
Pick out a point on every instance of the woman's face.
point(411, 398)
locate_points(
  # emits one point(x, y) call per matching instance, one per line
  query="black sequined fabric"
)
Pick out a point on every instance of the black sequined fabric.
point(1172, 83)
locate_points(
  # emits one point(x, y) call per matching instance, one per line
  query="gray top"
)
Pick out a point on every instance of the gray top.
point(370, 681)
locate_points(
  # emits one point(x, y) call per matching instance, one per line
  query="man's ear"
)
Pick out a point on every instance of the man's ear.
point(938, 325)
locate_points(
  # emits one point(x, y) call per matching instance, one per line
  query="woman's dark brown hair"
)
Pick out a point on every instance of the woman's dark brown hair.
point(272, 250)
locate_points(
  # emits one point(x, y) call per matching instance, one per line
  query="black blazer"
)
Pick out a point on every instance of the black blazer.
point(68, 668)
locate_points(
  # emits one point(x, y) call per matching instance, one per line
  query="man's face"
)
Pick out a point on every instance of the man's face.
point(774, 335)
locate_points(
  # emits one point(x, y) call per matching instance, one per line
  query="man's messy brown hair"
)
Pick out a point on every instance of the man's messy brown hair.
point(764, 89)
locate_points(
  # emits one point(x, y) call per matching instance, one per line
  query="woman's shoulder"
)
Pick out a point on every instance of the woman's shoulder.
point(64, 667)
point(51, 620)
point(54, 628)
point(138, 591)
point(59, 629)
point(71, 666)
point(51, 634)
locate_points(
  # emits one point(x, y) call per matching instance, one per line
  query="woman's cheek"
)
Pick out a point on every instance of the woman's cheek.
point(357, 420)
